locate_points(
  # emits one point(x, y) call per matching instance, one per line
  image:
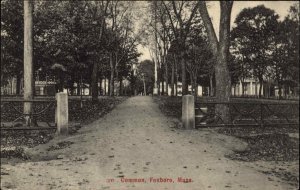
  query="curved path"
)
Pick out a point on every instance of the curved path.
point(135, 142)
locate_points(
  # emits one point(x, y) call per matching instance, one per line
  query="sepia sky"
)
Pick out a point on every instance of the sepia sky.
point(280, 7)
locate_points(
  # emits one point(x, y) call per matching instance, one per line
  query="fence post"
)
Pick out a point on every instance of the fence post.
point(188, 112)
point(62, 113)
point(201, 113)
point(261, 115)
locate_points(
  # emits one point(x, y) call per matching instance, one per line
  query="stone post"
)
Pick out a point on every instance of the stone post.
point(188, 112)
point(62, 113)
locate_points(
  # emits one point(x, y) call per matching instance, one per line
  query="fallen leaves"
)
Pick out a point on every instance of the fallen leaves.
point(60, 145)
point(90, 112)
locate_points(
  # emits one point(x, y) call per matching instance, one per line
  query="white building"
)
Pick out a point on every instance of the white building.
point(201, 90)
point(251, 88)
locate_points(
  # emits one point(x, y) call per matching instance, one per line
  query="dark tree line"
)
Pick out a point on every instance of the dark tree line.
point(266, 48)
point(186, 48)
point(75, 41)
point(87, 41)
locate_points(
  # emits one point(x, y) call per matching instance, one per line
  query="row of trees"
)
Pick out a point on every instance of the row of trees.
point(90, 40)
point(186, 48)
point(76, 41)
point(265, 48)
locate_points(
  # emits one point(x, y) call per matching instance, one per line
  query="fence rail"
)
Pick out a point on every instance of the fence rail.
point(247, 114)
point(42, 115)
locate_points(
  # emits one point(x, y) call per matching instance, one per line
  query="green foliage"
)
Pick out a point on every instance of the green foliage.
point(266, 48)
point(253, 37)
point(11, 39)
point(66, 33)
point(289, 39)
point(145, 71)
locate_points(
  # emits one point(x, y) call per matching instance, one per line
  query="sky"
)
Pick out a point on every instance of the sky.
point(280, 7)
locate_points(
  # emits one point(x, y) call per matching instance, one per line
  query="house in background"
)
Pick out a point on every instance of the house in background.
point(10, 88)
point(250, 87)
point(42, 87)
point(202, 90)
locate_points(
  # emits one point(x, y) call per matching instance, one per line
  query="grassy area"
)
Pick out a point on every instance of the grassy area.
point(89, 110)
point(265, 143)
point(170, 106)
point(277, 145)
point(13, 141)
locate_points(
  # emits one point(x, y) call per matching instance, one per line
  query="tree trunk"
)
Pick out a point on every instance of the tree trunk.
point(155, 91)
point(255, 89)
point(285, 88)
point(11, 86)
point(162, 81)
point(94, 84)
point(125, 90)
point(234, 89)
point(95, 66)
point(211, 85)
point(112, 72)
point(223, 88)
point(71, 90)
point(162, 86)
point(260, 87)
point(269, 89)
point(108, 87)
point(145, 92)
point(221, 51)
point(121, 87)
point(78, 88)
point(243, 87)
point(117, 77)
point(105, 86)
point(158, 81)
point(195, 86)
point(192, 84)
point(183, 76)
point(60, 76)
point(280, 91)
point(176, 82)
point(28, 62)
point(167, 78)
point(100, 87)
point(18, 84)
point(172, 79)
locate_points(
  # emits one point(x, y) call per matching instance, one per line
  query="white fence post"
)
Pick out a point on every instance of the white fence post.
point(188, 112)
point(62, 113)
point(200, 114)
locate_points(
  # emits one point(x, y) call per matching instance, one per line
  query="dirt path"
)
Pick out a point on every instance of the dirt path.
point(136, 141)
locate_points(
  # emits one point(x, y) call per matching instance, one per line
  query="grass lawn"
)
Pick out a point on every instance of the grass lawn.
point(273, 150)
point(13, 142)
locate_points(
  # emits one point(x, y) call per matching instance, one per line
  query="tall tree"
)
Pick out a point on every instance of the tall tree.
point(99, 12)
point(12, 33)
point(291, 28)
point(28, 59)
point(180, 15)
point(199, 63)
point(145, 73)
point(220, 49)
point(241, 66)
point(257, 27)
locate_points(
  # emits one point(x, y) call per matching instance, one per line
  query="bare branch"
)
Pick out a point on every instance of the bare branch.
point(170, 18)
point(209, 27)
